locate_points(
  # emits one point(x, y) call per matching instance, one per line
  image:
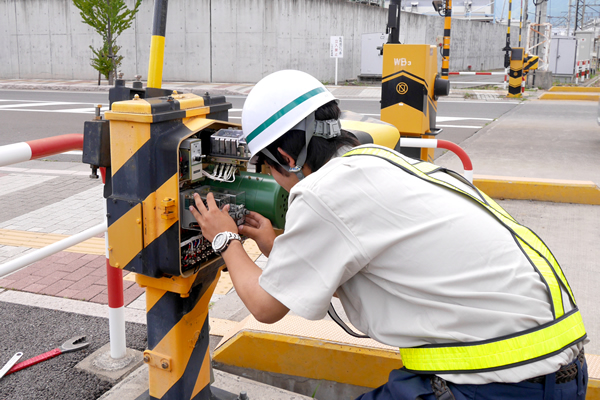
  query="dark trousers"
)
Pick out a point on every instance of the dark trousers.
point(404, 385)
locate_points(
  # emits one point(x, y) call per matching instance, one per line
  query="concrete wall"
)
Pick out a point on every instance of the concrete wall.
point(226, 40)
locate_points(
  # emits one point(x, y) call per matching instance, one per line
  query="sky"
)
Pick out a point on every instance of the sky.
point(556, 8)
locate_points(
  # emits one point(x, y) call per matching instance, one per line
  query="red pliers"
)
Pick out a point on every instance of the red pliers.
point(73, 344)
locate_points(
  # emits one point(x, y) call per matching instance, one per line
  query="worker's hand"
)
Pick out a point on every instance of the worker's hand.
point(212, 220)
point(259, 229)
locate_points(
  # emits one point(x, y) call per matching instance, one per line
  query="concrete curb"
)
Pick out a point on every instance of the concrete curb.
point(572, 89)
point(551, 190)
point(570, 96)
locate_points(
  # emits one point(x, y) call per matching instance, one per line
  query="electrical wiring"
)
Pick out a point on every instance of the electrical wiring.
point(222, 173)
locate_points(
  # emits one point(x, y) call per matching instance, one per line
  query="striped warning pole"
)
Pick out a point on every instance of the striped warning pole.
point(442, 144)
point(34, 149)
point(116, 304)
point(446, 48)
point(587, 69)
point(577, 73)
point(157, 44)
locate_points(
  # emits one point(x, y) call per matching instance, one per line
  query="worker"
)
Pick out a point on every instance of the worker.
point(420, 259)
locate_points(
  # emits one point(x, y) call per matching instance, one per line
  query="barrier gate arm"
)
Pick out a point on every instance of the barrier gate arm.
point(34, 149)
point(442, 144)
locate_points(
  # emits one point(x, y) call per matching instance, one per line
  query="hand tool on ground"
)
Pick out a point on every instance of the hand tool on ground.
point(73, 344)
point(9, 364)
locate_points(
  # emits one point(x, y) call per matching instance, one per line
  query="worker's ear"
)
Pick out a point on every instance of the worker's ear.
point(288, 159)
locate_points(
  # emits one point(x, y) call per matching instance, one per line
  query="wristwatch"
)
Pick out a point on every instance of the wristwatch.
point(222, 240)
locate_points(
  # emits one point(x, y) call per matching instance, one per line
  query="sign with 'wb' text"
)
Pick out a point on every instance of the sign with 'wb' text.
point(336, 47)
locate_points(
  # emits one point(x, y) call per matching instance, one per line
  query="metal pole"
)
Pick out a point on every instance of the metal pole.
point(507, 47)
point(569, 20)
point(157, 44)
point(394, 21)
point(336, 70)
point(446, 48)
point(520, 23)
point(44, 252)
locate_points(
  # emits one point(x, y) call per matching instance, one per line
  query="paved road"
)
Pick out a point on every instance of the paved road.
point(28, 115)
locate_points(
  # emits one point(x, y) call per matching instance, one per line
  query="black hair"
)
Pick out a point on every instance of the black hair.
point(320, 150)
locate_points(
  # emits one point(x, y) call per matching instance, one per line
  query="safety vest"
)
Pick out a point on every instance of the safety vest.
point(507, 351)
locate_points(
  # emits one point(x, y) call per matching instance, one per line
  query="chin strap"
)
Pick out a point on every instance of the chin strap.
point(326, 129)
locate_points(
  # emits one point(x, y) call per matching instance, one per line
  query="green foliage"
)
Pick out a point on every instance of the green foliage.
point(103, 63)
point(109, 18)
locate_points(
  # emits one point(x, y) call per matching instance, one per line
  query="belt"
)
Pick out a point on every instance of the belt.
point(565, 374)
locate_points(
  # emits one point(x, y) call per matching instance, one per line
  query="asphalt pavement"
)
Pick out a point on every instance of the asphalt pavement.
point(535, 140)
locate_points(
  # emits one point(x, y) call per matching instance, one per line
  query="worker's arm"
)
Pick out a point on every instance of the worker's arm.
point(243, 271)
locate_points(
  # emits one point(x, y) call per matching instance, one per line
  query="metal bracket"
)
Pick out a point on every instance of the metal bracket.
point(157, 360)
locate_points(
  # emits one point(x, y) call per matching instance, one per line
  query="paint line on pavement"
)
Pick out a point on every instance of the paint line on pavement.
point(445, 119)
point(41, 104)
point(459, 126)
point(37, 240)
point(44, 171)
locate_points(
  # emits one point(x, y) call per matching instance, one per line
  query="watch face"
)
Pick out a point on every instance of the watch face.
point(220, 240)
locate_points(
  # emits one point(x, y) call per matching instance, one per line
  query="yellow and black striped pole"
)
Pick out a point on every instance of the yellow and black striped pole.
point(144, 235)
point(520, 23)
point(157, 44)
point(446, 48)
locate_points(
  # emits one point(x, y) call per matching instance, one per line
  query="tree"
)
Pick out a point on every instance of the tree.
point(109, 18)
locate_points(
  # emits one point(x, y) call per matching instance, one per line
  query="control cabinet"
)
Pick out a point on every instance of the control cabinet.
point(163, 150)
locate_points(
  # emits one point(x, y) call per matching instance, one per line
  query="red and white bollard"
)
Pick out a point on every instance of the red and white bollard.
point(33, 149)
point(577, 73)
point(116, 304)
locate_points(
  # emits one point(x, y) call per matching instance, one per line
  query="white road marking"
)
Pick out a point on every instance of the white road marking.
point(444, 119)
point(26, 105)
point(78, 110)
point(459, 126)
point(40, 104)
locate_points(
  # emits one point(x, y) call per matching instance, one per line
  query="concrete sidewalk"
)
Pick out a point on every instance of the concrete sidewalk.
point(41, 201)
point(350, 90)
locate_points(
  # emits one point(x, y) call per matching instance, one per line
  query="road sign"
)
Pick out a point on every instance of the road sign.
point(336, 47)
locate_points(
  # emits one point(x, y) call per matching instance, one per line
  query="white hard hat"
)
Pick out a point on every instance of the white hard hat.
point(278, 103)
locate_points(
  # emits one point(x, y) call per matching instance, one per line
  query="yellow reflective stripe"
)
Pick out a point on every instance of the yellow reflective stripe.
point(499, 353)
point(536, 244)
point(548, 275)
point(496, 206)
point(525, 233)
point(426, 167)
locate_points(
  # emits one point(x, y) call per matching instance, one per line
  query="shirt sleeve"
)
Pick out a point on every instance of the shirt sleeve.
point(315, 255)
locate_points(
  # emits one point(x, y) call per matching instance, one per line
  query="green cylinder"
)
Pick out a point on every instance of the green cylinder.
point(263, 195)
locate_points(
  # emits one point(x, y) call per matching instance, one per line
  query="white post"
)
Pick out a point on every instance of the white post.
point(336, 69)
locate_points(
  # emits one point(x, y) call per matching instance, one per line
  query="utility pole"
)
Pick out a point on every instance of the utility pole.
point(579, 14)
point(569, 20)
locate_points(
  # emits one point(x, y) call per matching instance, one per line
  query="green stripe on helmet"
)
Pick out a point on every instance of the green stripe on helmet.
point(289, 107)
